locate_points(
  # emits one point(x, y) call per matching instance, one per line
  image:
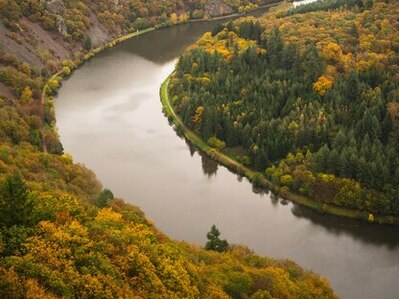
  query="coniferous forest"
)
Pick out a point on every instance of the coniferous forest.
point(309, 97)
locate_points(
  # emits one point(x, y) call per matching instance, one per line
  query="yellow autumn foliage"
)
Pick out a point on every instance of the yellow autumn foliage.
point(197, 118)
point(225, 43)
point(322, 85)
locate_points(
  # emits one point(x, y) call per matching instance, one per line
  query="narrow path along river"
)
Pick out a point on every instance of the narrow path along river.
point(110, 118)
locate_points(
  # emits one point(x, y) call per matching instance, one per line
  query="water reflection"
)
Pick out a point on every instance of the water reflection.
point(359, 231)
point(209, 166)
point(163, 50)
point(364, 232)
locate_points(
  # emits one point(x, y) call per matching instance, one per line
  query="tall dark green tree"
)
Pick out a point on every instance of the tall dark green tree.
point(214, 242)
point(104, 198)
point(15, 205)
point(87, 43)
point(275, 47)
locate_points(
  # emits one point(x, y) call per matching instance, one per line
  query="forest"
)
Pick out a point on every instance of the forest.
point(309, 97)
point(62, 235)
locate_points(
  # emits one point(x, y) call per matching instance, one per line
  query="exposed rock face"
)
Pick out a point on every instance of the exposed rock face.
point(55, 6)
point(62, 28)
point(45, 41)
point(97, 32)
point(16, 44)
point(216, 8)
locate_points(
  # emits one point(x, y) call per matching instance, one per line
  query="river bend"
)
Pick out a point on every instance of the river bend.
point(110, 118)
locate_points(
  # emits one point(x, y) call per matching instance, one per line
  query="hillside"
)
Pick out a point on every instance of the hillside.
point(61, 234)
point(62, 237)
point(44, 33)
point(39, 38)
point(309, 98)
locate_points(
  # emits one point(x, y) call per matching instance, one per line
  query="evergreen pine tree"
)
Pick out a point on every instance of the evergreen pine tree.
point(214, 242)
point(87, 43)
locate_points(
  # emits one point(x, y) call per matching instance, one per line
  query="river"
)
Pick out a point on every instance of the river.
point(110, 118)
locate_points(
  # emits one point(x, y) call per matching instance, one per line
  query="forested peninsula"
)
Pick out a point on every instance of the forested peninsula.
point(62, 235)
point(307, 97)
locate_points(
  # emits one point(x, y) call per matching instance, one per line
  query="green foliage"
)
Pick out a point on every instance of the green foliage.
point(105, 198)
point(197, 14)
point(262, 295)
point(216, 143)
point(238, 285)
point(214, 242)
point(141, 23)
point(286, 180)
point(15, 205)
point(263, 89)
point(324, 5)
point(13, 237)
point(57, 239)
point(71, 248)
point(87, 43)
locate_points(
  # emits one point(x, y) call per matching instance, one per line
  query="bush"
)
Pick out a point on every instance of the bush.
point(370, 218)
point(238, 285)
point(286, 180)
point(141, 23)
point(216, 143)
point(66, 71)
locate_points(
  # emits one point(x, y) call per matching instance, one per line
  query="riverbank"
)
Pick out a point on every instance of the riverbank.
point(46, 99)
point(258, 178)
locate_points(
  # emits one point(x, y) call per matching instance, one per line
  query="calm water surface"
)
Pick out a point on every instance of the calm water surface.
point(110, 118)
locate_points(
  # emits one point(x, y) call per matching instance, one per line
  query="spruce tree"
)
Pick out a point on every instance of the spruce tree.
point(214, 242)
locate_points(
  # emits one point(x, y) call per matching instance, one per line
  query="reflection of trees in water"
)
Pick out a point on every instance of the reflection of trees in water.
point(259, 190)
point(367, 233)
point(364, 232)
point(162, 46)
point(209, 166)
point(190, 147)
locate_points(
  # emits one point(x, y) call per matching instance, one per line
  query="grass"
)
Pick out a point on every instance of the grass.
point(258, 178)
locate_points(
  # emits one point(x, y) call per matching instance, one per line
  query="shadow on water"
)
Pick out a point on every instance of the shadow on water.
point(361, 231)
point(358, 230)
point(364, 232)
point(209, 166)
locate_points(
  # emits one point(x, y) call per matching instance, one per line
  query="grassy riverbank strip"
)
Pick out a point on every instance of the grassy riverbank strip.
point(258, 178)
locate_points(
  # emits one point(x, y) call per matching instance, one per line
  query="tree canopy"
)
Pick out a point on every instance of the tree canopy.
point(309, 99)
point(214, 242)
